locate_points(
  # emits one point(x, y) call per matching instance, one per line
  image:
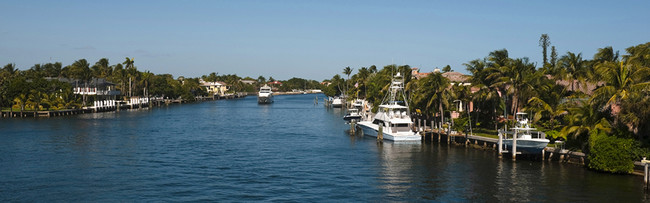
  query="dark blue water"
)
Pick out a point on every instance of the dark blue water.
point(291, 150)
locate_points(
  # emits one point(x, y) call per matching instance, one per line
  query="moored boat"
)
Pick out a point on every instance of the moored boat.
point(352, 115)
point(393, 120)
point(337, 102)
point(528, 141)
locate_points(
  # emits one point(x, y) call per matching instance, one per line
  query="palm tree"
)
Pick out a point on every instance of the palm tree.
point(518, 77)
point(486, 95)
point(583, 119)
point(20, 101)
point(347, 71)
point(372, 69)
point(434, 91)
point(130, 71)
point(606, 54)
point(101, 69)
point(621, 82)
point(547, 103)
point(573, 69)
point(146, 76)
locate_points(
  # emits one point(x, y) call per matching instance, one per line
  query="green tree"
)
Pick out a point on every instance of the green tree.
point(572, 69)
point(553, 62)
point(447, 68)
point(433, 92)
point(544, 42)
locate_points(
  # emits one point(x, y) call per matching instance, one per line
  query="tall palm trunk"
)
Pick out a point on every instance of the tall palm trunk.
point(442, 114)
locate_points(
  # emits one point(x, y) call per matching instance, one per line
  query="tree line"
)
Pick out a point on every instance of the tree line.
point(50, 86)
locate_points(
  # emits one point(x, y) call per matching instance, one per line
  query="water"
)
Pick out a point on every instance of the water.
point(291, 150)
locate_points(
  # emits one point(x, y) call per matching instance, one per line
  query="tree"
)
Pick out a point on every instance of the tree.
point(433, 92)
point(572, 69)
point(544, 42)
point(547, 103)
point(553, 57)
point(372, 69)
point(130, 71)
point(486, 98)
point(447, 68)
point(621, 83)
point(518, 77)
point(347, 71)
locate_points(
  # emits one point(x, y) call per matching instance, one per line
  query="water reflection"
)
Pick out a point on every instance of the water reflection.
point(396, 167)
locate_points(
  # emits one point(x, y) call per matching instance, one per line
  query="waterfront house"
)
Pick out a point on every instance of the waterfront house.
point(214, 88)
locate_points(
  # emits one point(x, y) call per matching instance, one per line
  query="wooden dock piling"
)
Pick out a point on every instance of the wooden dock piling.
point(646, 176)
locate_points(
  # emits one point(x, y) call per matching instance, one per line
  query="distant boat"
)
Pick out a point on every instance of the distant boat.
point(528, 141)
point(393, 118)
point(352, 115)
point(265, 96)
point(337, 102)
point(358, 104)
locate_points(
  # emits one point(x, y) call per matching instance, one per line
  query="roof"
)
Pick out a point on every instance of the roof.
point(92, 82)
point(455, 76)
point(275, 83)
point(587, 88)
point(213, 84)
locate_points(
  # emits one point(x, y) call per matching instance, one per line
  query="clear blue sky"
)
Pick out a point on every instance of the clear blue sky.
point(308, 39)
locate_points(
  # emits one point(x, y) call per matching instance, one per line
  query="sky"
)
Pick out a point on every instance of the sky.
point(308, 39)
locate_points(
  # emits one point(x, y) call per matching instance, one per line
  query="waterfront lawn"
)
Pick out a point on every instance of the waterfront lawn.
point(483, 132)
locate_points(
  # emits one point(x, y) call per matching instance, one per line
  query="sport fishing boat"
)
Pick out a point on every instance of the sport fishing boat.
point(393, 120)
point(528, 140)
point(265, 96)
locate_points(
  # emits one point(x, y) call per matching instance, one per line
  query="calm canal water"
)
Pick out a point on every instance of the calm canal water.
point(291, 150)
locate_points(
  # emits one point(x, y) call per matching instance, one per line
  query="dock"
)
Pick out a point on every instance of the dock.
point(429, 134)
point(113, 105)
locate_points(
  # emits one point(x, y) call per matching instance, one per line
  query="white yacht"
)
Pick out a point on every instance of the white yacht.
point(265, 96)
point(337, 102)
point(528, 140)
point(393, 118)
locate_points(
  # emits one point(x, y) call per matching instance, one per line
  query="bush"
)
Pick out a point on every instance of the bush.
point(612, 154)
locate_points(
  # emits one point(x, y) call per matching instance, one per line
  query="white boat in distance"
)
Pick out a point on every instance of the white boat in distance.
point(337, 102)
point(393, 118)
point(265, 96)
point(528, 142)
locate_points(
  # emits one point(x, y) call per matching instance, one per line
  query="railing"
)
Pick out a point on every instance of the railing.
point(94, 91)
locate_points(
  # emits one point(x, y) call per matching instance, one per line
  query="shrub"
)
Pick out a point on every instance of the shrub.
point(611, 154)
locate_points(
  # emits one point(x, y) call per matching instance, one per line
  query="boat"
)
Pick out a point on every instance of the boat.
point(337, 102)
point(265, 96)
point(393, 119)
point(352, 115)
point(358, 104)
point(528, 140)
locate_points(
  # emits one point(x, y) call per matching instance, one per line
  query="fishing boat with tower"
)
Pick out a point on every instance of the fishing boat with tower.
point(393, 120)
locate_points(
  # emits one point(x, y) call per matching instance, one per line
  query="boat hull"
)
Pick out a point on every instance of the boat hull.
point(264, 100)
point(372, 129)
point(349, 118)
point(527, 146)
